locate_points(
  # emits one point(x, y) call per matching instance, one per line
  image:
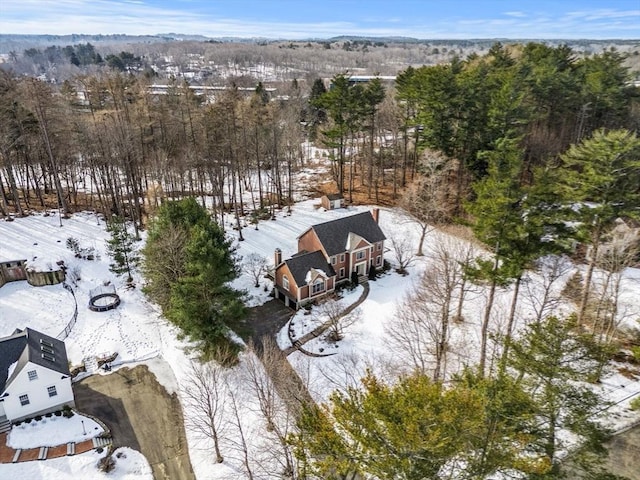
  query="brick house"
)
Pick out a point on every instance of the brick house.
point(328, 253)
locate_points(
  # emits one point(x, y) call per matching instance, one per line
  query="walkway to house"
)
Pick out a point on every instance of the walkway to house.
point(11, 455)
point(265, 321)
point(320, 329)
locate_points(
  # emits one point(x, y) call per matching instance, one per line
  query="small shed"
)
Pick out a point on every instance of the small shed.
point(12, 271)
point(332, 201)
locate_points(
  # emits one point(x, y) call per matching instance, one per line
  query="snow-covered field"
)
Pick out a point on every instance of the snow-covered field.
point(129, 465)
point(138, 333)
point(52, 431)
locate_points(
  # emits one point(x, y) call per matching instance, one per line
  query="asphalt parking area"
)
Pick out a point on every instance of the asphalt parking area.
point(142, 415)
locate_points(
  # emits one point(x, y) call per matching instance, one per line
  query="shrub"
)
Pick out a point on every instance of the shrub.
point(18, 423)
point(636, 353)
point(57, 413)
point(28, 420)
point(635, 404)
point(372, 273)
point(48, 414)
point(106, 464)
point(37, 418)
point(74, 245)
point(67, 412)
point(354, 279)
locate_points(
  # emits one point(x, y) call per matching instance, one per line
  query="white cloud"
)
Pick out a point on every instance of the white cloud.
point(515, 14)
point(139, 18)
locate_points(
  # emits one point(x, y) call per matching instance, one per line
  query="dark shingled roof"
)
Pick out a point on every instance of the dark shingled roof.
point(334, 234)
point(27, 346)
point(334, 196)
point(300, 264)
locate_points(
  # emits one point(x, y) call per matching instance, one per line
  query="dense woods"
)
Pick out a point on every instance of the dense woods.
point(529, 146)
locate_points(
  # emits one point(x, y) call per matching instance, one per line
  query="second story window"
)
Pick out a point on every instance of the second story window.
point(360, 255)
point(285, 283)
point(33, 375)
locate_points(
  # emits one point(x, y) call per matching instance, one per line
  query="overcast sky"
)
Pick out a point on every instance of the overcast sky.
point(300, 19)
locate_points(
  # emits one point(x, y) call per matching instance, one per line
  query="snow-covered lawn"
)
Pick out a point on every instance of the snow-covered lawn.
point(52, 431)
point(129, 465)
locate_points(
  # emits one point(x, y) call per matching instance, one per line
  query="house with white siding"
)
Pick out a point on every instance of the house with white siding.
point(34, 376)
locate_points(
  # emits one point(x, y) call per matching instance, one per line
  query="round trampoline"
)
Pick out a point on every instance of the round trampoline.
point(103, 298)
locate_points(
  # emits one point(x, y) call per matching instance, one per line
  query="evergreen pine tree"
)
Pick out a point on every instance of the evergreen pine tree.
point(188, 264)
point(121, 247)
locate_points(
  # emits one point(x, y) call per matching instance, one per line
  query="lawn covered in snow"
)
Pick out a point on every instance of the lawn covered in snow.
point(52, 431)
point(129, 465)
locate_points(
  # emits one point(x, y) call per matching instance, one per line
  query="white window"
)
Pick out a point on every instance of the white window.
point(24, 400)
point(360, 255)
point(333, 260)
point(52, 391)
point(33, 375)
point(285, 283)
point(317, 287)
point(378, 260)
point(342, 272)
point(342, 258)
point(379, 246)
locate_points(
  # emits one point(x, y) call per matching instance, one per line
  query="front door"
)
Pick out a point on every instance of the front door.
point(361, 269)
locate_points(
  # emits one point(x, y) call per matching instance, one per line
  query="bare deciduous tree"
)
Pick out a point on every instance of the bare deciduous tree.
point(239, 441)
point(422, 327)
point(541, 295)
point(204, 395)
point(264, 371)
point(428, 200)
point(255, 266)
point(403, 253)
point(332, 313)
point(613, 258)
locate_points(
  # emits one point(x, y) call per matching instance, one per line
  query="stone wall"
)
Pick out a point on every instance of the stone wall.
point(16, 270)
point(39, 279)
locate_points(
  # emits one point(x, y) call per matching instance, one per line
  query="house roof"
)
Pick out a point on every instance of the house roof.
point(30, 346)
point(334, 196)
point(334, 235)
point(300, 264)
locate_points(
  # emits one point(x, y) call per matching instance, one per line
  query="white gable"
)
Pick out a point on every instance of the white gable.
point(353, 240)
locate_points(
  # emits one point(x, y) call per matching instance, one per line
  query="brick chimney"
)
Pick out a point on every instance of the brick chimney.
point(278, 257)
point(376, 214)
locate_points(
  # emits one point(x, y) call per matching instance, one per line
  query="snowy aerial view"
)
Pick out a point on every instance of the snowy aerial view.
point(326, 243)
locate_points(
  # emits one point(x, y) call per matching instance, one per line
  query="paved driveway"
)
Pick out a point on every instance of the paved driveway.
point(141, 415)
point(266, 319)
